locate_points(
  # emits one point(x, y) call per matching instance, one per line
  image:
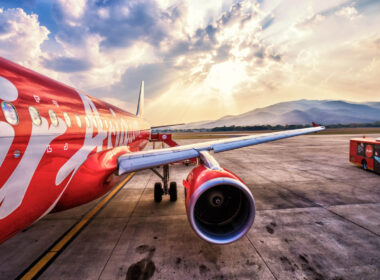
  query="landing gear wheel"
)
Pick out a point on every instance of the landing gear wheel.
point(173, 191)
point(158, 192)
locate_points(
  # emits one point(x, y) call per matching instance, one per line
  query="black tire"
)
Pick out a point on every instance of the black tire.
point(173, 191)
point(158, 191)
point(365, 165)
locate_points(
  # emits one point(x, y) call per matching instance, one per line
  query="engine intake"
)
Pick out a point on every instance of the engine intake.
point(220, 207)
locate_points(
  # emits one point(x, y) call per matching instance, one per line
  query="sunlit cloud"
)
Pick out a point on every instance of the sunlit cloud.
point(21, 36)
point(348, 12)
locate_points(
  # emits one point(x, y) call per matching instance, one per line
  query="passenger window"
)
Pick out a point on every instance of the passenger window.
point(67, 119)
point(53, 118)
point(361, 149)
point(35, 115)
point(9, 112)
point(94, 122)
point(87, 121)
point(79, 122)
point(100, 123)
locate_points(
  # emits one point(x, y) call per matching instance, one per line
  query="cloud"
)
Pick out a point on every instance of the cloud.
point(235, 55)
point(101, 69)
point(188, 59)
point(214, 58)
point(72, 10)
point(223, 53)
point(349, 12)
point(67, 64)
point(267, 21)
point(311, 21)
point(21, 36)
point(118, 23)
point(157, 77)
point(130, 107)
point(377, 43)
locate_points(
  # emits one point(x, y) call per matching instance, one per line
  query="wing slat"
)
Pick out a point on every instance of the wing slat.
point(147, 159)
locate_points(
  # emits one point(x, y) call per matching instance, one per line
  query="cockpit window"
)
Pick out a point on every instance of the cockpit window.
point(53, 117)
point(35, 115)
point(67, 119)
point(79, 122)
point(9, 112)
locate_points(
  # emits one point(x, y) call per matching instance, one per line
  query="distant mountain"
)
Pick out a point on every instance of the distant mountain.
point(373, 104)
point(299, 112)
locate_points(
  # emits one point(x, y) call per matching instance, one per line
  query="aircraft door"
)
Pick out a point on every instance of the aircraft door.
point(376, 159)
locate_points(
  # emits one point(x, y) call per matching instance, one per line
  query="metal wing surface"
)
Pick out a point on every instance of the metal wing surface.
point(147, 159)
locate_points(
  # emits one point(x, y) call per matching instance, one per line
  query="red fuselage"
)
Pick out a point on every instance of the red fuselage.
point(58, 146)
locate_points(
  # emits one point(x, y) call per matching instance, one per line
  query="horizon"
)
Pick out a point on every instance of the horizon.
point(199, 61)
point(341, 100)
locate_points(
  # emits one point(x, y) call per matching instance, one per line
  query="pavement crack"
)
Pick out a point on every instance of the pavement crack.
point(126, 225)
point(261, 257)
point(344, 218)
point(324, 207)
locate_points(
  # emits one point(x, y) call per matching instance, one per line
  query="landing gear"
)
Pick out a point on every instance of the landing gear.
point(173, 191)
point(162, 188)
point(158, 191)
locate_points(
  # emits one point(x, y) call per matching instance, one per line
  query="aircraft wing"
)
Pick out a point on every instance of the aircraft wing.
point(152, 158)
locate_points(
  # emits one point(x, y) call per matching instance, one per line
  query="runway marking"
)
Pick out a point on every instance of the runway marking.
point(54, 251)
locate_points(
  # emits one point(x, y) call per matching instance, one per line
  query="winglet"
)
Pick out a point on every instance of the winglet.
point(140, 103)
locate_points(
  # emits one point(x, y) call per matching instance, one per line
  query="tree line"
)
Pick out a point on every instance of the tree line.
point(292, 126)
point(271, 127)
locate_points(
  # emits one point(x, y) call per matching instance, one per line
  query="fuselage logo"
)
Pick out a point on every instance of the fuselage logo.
point(369, 151)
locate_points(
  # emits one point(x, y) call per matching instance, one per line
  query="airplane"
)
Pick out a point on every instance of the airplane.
point(61, 148)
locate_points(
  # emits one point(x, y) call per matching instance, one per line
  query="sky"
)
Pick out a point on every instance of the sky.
point(200, 60)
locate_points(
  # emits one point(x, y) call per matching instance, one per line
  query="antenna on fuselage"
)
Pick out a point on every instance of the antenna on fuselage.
point(140, 103)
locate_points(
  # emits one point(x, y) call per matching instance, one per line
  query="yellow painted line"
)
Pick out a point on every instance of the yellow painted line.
point(44, 260)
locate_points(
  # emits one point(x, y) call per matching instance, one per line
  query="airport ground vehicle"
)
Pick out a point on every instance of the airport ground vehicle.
point(365, 152)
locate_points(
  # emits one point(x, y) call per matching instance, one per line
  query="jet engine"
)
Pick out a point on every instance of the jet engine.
point(220, 207)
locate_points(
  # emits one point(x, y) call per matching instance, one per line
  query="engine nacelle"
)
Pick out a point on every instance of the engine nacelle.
point(220, 207)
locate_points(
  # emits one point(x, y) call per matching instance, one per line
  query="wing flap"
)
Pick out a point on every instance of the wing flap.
point(147, 159)
point(129, 164)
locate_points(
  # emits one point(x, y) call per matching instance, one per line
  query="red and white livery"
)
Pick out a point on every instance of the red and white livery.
point(60, 148)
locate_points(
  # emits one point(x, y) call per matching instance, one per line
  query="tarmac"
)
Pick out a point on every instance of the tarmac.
point(317, 218)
